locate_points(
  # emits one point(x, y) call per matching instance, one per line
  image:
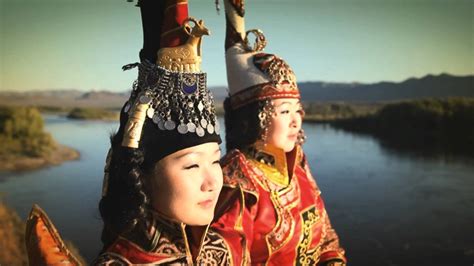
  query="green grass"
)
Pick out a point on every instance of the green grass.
point(329, 112)
point(446, 123)
point(22, 133)
point(93, 114)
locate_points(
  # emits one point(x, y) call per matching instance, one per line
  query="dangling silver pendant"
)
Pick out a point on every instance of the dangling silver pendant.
point(191, 127)
point(182, 128)
point(210, 128)
point(200, 106)
point(150, 112)
point(200, 131)
point(145, 99)
point(161, 125)
point(204, 123)
point(170, 124)
point(217, 128)
point(156, 118)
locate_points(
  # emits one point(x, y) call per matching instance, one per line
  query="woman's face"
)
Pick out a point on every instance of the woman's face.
point(186, 184)
point(285, 124)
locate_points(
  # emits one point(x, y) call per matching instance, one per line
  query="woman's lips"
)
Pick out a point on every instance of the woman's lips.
point(206, 204)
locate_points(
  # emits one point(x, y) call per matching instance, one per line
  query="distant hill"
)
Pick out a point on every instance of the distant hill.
point(219, 93)
point(65, 98)
point(440, 86)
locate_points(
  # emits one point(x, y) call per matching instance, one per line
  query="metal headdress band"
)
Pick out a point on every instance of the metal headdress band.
point(173, 100)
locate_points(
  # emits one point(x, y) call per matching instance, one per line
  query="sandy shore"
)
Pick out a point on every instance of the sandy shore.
point(58, 156)
point(12, 234)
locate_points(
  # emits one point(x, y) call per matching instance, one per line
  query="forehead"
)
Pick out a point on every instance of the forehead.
point(206, 149)
point(285, 101)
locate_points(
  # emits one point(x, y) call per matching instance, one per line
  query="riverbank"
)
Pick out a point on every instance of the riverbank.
point(94, 114)
point(12, 235)
point(25, 143)
point(429, 124)
point(57, 156)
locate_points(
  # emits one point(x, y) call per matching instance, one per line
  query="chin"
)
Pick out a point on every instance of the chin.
point(289, 147)
point(201, 219)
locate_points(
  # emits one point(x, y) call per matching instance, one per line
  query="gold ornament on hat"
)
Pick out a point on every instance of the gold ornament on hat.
point(185, 57)
point(134, 126)
point(260, 41)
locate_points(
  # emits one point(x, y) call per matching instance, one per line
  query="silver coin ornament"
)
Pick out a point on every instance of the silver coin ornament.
point(203, 123)
point(191, 127)
point(145, 99)
point(182, 128)
point(200, 106)
point(200, 131)
point(150, 112)
point(156, 118)
point(217, 128)
point(161, 125)
point(170, 124)
point(210, 129)
point(169, 94)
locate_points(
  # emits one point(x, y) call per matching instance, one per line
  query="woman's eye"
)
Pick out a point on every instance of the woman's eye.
point(284, 112)
point(216, 162)
point(191, 166)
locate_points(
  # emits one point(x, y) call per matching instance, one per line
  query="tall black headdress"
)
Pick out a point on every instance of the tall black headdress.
point(170, 101)
point(170, 107)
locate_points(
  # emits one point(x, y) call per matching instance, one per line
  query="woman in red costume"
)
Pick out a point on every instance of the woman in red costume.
point(162, 176)
point(271, 207)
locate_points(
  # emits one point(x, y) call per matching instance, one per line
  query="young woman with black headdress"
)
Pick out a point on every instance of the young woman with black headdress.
point(162, 175)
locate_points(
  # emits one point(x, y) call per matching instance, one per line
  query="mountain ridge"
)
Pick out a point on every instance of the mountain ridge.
point(429, 86)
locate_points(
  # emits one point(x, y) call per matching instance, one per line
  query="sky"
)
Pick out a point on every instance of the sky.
point(82, 44)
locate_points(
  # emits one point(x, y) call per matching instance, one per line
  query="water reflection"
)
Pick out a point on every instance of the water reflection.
point(397, 207)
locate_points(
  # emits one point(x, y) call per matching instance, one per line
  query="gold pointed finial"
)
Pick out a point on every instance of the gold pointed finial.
point(185, 57)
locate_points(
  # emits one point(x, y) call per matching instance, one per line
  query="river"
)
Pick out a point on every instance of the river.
point(388, 207)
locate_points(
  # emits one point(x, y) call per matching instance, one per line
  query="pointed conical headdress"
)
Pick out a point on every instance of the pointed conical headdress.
point(251, 74)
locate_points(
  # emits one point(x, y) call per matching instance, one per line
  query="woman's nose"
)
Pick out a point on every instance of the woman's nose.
point(211, 182)
point(295, 120)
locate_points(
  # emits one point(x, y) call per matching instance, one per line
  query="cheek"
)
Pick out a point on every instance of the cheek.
point(160, 193)
point(277, 129)
point(299, 120)
point(170, 192)
point(219, 177)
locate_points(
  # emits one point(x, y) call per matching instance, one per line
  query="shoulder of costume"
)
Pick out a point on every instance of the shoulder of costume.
point(303, 162)
point(44, 245)
point(237, 173)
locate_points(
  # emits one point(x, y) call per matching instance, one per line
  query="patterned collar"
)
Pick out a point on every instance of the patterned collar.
point(274, 161)
point(165, 239)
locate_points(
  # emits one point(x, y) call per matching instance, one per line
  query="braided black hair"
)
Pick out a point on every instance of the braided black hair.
point(242, 125)
point(124, 207)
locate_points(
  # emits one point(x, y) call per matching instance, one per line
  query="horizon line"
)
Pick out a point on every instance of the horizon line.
point(225, 86)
